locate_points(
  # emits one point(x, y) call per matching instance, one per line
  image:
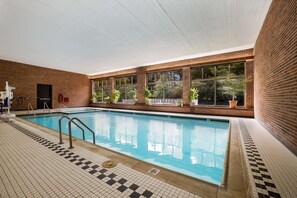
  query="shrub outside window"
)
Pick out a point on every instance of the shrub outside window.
point(101, 90)
point(166, 86)
point(210, 81)
point(128, 88)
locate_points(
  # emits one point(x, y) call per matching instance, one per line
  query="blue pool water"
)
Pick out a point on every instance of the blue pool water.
point(195, 147)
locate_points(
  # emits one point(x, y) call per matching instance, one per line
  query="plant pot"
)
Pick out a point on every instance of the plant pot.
point(192, 104)
point(233, 103)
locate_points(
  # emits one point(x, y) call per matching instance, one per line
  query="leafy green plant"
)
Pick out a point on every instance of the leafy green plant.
point(232, 87)
point(107, 99)
point(194, 94)
point(115, 96)
point(147, 93)
point(95, 97)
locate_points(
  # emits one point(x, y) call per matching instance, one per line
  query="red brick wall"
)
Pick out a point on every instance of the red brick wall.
point(240, 112)
point(26, 77)
point(244, 55)
point(276, 73)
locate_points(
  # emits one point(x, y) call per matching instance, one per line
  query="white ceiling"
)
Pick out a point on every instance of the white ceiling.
point(97, 36)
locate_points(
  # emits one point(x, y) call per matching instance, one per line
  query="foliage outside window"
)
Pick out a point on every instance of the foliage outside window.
point(101, 90)
point(166, 87)
point(128, 88)
point(212, 86)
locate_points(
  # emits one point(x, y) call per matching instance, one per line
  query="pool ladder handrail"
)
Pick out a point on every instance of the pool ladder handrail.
point(71, 120)
point(63, 106)
point(30, 107)
point(45, 105)
point(60, 128)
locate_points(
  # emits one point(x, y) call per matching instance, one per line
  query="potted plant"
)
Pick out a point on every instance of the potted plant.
point(193, 96)
point(233, 88)
point(115, 96)
point(147, 95)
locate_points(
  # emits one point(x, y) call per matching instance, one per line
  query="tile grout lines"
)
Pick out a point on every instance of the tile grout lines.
point(90, 167)
point(264, 184)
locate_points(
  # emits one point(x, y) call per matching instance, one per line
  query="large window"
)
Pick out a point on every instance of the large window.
point(128, 88)
point(212, 86)
point(101, 90)
point(165, 86)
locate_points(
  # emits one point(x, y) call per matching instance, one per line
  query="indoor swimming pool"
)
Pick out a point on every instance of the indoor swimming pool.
point(190, 146)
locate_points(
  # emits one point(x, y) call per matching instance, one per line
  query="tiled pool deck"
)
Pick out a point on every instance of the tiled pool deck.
point(34, 165)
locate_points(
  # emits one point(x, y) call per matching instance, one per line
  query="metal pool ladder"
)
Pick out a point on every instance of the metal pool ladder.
point(62, 105)
point(31, 108)
point(71, 120)
point(46, 106)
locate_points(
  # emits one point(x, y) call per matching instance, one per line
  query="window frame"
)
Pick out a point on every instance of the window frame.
point(216, 79)
point(165, 84)
point(100, 87)
point(125, 85)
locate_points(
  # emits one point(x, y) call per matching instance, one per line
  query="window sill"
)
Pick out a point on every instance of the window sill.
point(123, 103)
point(219, 107)
point(163, 105)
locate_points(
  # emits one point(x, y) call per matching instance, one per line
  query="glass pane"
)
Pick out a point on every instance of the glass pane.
point(225, 90)
point(222, 70)
point(117, 81)
point(122, 93)
point(97, 96)
point(196, 73)
point(96, 84)
point(223, 95)
point(208, 72)
point(123, 80)
point(157, 76)
point(178, 75)
point(174, 90)
point(150, 78)
point(237, 69)
point(163, 77)
point(206, 91)
point(128, 80)
point(169, 76)
point(131, 92)
point(134, 80)
point(158, 90)
point(106, 92)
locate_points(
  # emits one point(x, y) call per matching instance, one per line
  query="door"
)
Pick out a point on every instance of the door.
point(44, 95)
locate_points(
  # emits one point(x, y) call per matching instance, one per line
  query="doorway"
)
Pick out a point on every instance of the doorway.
point(44, 95)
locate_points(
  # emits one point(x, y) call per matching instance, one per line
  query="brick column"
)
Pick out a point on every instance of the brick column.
point(186, 84)
point(111, 84)
point(141, 85)
point(249, 89)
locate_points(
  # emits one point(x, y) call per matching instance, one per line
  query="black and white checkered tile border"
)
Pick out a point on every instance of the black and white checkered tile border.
point(264, 184)
point(99, 172)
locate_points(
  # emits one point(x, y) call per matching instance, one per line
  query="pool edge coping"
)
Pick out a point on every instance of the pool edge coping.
point(224, 185)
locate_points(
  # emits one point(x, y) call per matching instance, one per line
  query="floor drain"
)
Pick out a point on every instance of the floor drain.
point(109, 164)
point(154, 171)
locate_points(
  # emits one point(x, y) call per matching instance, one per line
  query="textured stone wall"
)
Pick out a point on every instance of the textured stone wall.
point(275, 66)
